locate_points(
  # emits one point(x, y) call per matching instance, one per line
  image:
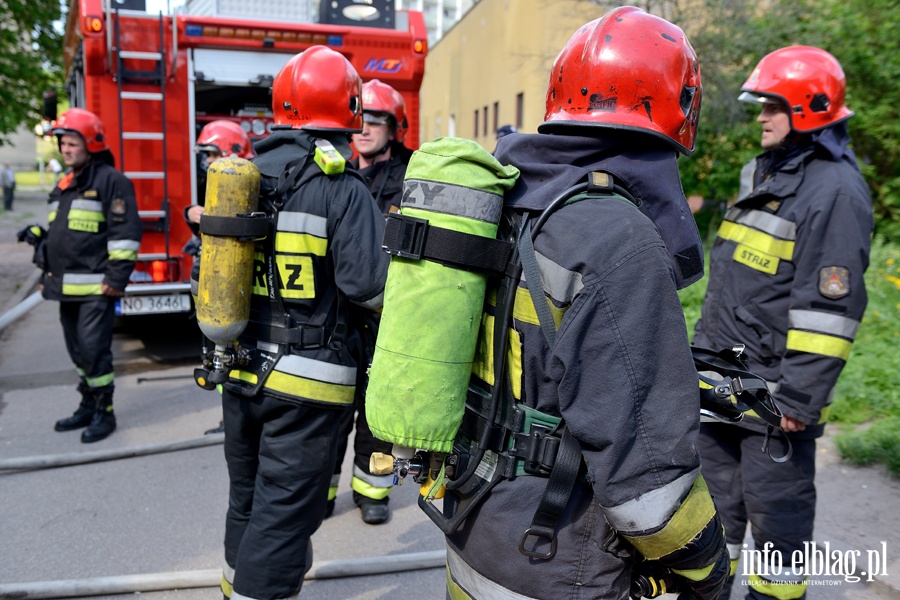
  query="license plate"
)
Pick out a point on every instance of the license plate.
point(149, 305)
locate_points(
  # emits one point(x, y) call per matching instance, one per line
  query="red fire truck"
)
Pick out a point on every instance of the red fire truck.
point(155, 80)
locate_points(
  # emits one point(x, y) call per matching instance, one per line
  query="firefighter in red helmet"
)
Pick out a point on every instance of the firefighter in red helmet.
point(282, 411)
point(608, 371)
point(381, 160)
point(217, 139)
point(786, 280)
point(87, 255)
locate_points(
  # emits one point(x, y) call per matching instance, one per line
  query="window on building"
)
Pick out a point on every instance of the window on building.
point(496, 116)
point(485, 124)
point(520, 109)
point(475, 135)
point(451, 126)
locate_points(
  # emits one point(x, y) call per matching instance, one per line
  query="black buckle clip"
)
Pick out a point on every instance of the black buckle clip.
point(546, 533)
point(311, 338)
point(537, 449)
point(410, 238)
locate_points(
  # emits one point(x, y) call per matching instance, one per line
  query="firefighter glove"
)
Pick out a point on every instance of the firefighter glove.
point(32, 234)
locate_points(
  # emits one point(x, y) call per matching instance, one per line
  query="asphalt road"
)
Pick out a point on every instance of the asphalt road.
point(164, 513)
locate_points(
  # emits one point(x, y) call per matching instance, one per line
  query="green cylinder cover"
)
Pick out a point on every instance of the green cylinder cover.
point(432, 313)
point(226, 263)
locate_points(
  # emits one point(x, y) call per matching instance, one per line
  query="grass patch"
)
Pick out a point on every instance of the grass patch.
point(34, 179)
point(868, 391)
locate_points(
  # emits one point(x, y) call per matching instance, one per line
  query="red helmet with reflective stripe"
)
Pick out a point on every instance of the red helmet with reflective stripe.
point(627, 70)
point(226, 138)
point(318, 89)
point(85, 124)
point(378, 97)
point(808, 80)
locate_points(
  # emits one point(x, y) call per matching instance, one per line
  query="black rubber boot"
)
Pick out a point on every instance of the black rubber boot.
point(375, 513)
point(81, 417)
point(103, 422)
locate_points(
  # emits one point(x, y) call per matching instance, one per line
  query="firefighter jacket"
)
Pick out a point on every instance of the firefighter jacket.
point(786, 277)
point(385, 178)
point(620, 375)
point(94, 232)
point(325, 249)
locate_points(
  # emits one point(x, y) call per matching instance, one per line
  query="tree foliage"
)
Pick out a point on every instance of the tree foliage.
point(730, 36)
point(30, 59)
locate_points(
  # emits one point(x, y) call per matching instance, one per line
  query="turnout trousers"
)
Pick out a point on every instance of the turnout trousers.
point(88, 331)
point(280, 457)
point(778, 500)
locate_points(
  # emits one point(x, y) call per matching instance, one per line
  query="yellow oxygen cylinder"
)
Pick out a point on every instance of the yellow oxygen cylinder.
point(226, 259)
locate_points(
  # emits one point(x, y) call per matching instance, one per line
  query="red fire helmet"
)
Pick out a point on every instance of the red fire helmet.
point(627, 70)
point(226, 138)
point(808, 80)
point(318, 89)
point(378, 97)
point(84, 123)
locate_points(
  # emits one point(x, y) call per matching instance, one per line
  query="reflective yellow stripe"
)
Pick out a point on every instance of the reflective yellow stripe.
point(332, 492)
point(250, 378)
point(692, 516)
point(368, 490)
point(483, 362)
point(781, 590)
point(122, 255)
point(227, 588)
point(51, 216)
point(302, 387)
point(695, 574)
point(734, 564)
point(817, 343)
point(763, 242)
point(76, 214)
point(296, 274)
point(823, 416)
point(523, 309)
point(758, 261)
point(101, 381)
point(514, 360)
point(300, 243)
point(81, 289)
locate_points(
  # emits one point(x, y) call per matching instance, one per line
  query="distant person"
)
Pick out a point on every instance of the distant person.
point(217, 139)
point(54, 167)
point(786, 280)
point(8, 180)
point(87, 255)
point(382, 162)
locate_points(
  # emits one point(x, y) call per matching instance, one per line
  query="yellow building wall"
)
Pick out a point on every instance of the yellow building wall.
point(499, 50)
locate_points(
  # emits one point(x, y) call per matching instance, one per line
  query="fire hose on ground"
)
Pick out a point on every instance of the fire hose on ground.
point(175, 580)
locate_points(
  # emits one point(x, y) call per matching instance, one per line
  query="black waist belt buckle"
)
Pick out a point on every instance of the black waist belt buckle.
point(536, 448)
point(408, 239)
point(312, 338)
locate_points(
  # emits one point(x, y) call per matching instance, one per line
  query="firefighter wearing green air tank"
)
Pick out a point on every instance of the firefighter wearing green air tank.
point(589, 345)
point(283, 401)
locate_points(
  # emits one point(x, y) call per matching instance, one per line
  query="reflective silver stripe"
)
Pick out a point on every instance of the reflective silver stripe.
point(53, 206)
point(266, 346)
point(560, 283)
point(476, 584)
point(734, 551)
point(122, 245)
point(653, 509)
point(92, 205)
point(300, 366)
point(336, 479)
point(195, 288)
point(228, 573)
point(823, 322)
point(451, 199)
point(763, 221)
point(378, 481)
point(236, 596)
point(82, 278)
point(746, 179)
point(298, 222)
point(373, 303)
